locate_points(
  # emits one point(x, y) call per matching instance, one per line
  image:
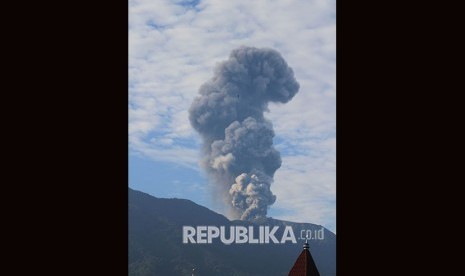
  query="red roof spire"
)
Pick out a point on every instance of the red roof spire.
point(304, 265)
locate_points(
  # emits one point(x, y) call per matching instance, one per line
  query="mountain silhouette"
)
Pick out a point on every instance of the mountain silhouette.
point(156, 247)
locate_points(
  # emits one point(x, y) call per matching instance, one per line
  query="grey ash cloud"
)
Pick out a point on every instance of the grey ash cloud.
point(238, 152)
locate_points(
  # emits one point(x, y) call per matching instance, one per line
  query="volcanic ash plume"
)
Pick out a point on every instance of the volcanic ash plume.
point(238, 152)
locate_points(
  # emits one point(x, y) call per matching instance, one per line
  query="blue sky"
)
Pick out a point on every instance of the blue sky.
point(173, 49)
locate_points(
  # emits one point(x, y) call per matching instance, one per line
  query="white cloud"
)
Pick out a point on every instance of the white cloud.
point(173, 49)
point(305, 184)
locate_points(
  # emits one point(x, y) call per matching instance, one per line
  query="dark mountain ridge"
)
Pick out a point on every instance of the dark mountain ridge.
point(156, 247)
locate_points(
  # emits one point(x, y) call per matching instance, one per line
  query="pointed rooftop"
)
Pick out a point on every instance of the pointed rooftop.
point(304, 265)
